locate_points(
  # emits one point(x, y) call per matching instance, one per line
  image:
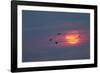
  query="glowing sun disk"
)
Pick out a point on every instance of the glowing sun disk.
point(72, 38)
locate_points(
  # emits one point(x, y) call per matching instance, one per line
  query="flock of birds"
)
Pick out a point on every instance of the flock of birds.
point(58, 41)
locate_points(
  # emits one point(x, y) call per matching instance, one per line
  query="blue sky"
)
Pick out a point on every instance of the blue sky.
point(38, 26)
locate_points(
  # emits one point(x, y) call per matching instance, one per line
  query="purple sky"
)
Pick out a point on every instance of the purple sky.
point(38, 26)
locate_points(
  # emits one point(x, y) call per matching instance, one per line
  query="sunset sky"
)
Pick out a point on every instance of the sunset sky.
point(49, 36)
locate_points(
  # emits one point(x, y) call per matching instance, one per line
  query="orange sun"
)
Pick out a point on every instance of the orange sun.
point(72, 38)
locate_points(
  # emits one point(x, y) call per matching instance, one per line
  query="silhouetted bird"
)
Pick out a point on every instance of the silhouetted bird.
point(59, 33)
point(56, 42)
